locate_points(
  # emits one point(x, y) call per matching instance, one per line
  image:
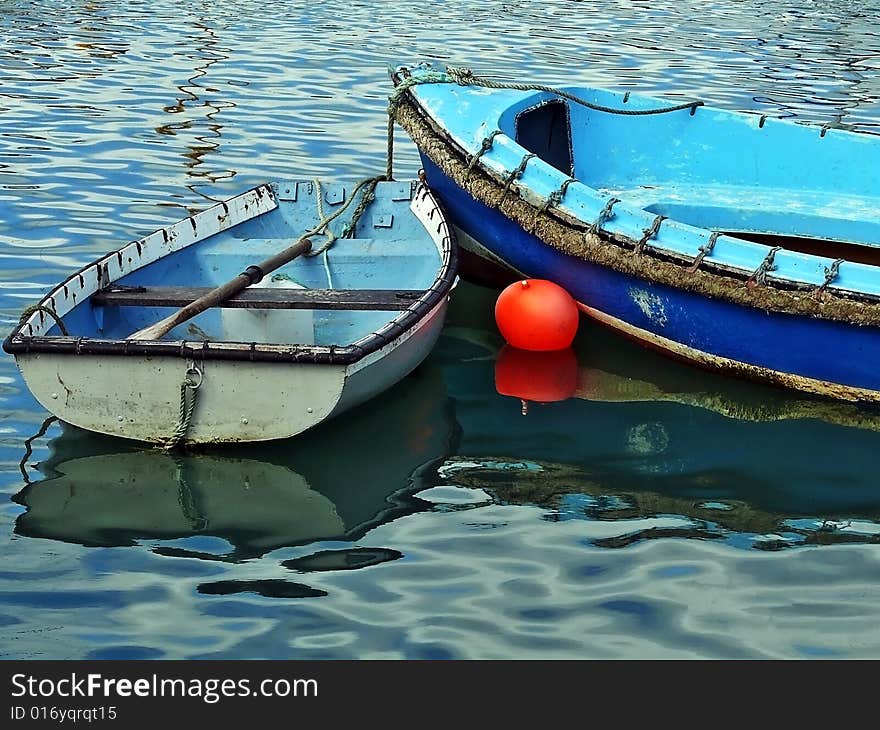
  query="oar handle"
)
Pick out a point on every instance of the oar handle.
point(251, 275)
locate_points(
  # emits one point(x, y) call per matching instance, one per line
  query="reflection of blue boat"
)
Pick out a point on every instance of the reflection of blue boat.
point(657, 434)
point(95, 490)
point(744, 244)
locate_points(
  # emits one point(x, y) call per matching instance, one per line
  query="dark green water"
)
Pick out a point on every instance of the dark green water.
point(656, 512)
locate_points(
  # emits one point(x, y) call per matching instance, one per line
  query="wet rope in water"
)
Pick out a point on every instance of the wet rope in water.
point(28, 447)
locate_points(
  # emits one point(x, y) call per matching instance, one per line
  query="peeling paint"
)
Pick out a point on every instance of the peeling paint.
point(651, 305)
point(66, 389)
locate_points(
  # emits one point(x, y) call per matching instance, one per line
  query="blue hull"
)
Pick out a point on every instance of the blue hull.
point(822, 356)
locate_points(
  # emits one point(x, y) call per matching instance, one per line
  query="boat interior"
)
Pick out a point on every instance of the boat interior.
point(808, 189)
point(350, 288)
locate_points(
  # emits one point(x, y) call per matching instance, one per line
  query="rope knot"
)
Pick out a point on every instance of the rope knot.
point(704, 251)
point(648, 234)
point(760, 274)
point(463, 76)
point(515, 174)
point(605, 215)
point(485, 146)
point(555, 198)
point(830, 276)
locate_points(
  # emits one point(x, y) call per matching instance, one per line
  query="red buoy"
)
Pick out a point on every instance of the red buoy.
point(535, 314)
point(540, 377)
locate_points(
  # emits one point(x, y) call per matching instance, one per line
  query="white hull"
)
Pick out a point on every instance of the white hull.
point(237, 401)
point(253, 389)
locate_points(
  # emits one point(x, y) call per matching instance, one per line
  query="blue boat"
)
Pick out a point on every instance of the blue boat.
point(343, 291)
point(734, 241)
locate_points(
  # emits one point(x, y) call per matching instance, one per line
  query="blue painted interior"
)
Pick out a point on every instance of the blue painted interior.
point(720, 170)
point(712, 170)
point(402, 256)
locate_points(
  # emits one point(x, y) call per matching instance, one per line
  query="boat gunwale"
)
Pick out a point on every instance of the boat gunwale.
point(575, 237)
point(17, 343)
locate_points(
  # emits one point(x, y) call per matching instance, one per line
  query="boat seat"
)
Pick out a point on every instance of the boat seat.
point(261, 298)
point(788, 212)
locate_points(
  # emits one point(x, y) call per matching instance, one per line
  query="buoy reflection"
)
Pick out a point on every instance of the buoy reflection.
point(536, 377)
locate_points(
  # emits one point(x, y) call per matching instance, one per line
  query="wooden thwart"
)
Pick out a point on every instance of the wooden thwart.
point(263, 298)
point(216, 296)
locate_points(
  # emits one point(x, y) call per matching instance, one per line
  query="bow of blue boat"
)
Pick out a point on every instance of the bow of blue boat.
point(732, 240)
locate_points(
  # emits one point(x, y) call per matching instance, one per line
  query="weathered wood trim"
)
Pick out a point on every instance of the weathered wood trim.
point(264, 298)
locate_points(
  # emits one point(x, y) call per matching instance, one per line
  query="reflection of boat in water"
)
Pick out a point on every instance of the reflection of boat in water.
point(659, 434)
point(333, 483)
point(656, 509)
point(547, 377)
point(613, 370)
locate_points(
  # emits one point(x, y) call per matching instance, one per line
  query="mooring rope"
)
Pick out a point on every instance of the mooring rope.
point(319, 202)
point(370, 183)
point(394, 99)
point(466, 77)
point(368, 197)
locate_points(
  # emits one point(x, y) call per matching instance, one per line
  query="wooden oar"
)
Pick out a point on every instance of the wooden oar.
point(251, 275)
